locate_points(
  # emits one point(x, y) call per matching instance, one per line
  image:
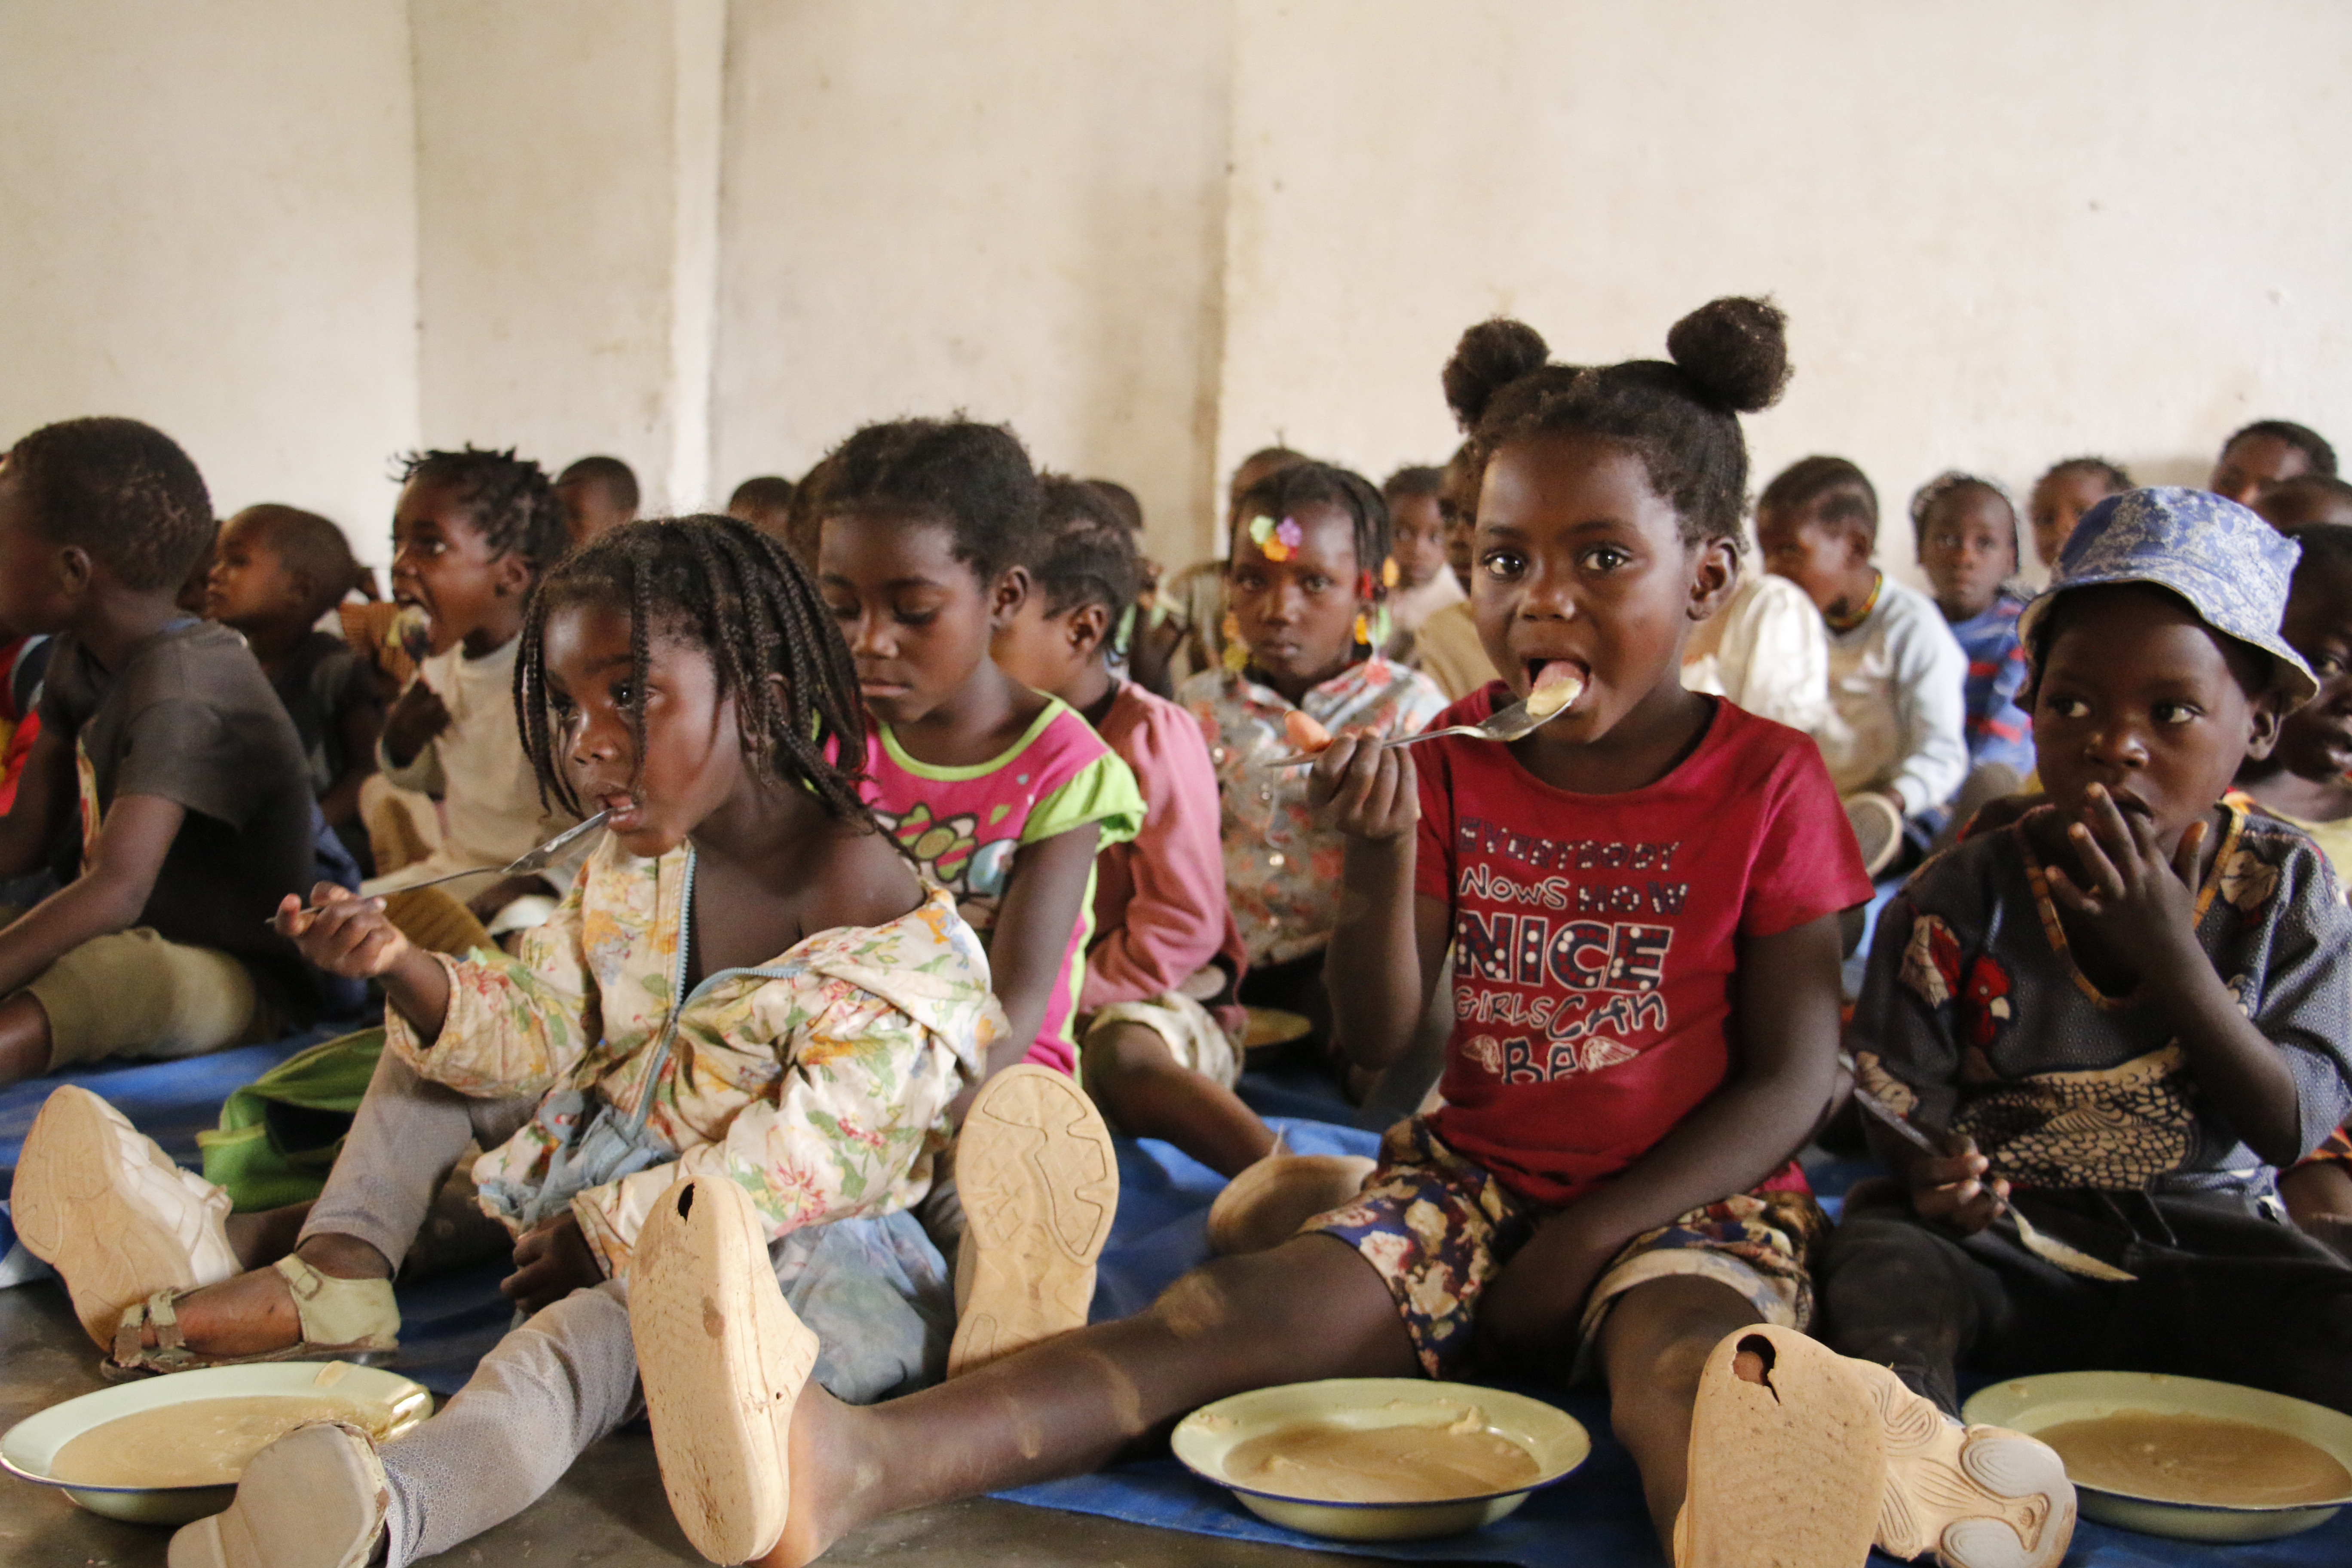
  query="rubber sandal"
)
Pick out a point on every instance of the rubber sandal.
point(1270, 1200)
point(356, 1321)
point(723, 1359)
point(1039, 1183)
point(100, 1203)
point(314, 1499)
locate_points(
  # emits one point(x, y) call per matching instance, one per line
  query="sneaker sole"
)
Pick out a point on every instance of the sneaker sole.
point(723, 1360)
point(1785, 1473)
point(1266, 1204)
point(1978, 1497)
point(314, 1499)
point(73, 1205)
point(1039, 1183)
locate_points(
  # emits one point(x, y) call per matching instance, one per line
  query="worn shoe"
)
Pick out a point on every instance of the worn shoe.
point(357, 1321)
point(1877, 824)
point(1802, 1455)
point(314, 1499)
point(1039, 1181)
point(723, 1360)
point(1264, 1205)
point(101, 1204)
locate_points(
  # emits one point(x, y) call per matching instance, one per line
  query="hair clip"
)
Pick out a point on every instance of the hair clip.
point(1276, 540)
point(1388, 574)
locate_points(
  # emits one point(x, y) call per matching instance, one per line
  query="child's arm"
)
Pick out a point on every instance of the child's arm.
point(108, 897)
point(46, 792)
point(1931, 678)
point(1175, 918)
point(1388, 944)
point(1785, 1001)
point(362, 721)
point(2147, 909)
point(409, 729)
point(1042, 896)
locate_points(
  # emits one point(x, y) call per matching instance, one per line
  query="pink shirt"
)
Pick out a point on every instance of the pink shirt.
point(1159, 901)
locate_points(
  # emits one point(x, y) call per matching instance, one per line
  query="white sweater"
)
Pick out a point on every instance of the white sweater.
point(1766, 650)
point(1896, 703)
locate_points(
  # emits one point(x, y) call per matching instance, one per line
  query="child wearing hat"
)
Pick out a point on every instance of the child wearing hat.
point(2122, 1013)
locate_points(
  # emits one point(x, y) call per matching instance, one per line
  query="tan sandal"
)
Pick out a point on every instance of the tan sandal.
point(341, 1320)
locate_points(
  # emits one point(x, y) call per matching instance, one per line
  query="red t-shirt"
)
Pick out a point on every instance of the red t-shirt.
point(1593, 935)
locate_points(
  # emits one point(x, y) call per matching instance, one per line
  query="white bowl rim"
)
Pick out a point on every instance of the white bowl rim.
point(1534, 1485)
point(2222, 1508)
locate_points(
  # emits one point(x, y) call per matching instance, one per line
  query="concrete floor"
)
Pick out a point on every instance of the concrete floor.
point(609, 1511)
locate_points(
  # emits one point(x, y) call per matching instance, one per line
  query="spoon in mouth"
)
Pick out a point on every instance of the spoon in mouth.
point(1552, 696)
point(522, 865)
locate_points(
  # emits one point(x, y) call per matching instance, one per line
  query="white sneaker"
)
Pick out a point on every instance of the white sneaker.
point(101, 1204)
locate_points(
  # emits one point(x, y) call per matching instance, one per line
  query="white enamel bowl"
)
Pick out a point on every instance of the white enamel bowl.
point(27, 1448)
point(1554, 1439)
point(2034, 1404)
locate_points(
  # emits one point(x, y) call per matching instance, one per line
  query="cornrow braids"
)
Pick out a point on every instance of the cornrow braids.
point(737, 594)
point(1308, 483)
point(1923, 501)
point(510, 499)
point(1085, 552)
point(2111, 474)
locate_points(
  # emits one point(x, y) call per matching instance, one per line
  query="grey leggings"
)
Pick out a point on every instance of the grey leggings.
point(876, 1291)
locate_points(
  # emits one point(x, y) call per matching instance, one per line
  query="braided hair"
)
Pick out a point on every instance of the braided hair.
point(1307, 483)
point(510, 499)
point(739, 595)
point(1924, 499)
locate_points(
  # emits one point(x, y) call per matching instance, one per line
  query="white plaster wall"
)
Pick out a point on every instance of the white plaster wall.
point(1007, 206)
point(207, 221)
point(548, 198)
point(2004, 233)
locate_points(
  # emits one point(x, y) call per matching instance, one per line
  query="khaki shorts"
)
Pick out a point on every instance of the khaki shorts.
point(133, 993)
point(1193, 1036)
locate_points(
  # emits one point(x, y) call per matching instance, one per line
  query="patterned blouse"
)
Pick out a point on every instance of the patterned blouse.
point(818, 1081)
point(1975, 1016)
point(1282, 872)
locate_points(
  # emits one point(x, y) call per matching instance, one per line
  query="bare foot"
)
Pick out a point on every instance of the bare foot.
point(254, 1313)
point(827, 1490)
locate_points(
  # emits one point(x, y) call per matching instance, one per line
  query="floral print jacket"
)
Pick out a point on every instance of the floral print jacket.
point(819, 1080)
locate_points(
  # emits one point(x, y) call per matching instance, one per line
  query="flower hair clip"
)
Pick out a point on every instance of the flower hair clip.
point(1276, 540)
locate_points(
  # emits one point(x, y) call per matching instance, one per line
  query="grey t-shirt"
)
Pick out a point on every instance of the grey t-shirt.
point(1975, 1016)
point(190, 717)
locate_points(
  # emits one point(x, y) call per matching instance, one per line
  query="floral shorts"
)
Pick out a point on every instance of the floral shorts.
point(1439, 1229)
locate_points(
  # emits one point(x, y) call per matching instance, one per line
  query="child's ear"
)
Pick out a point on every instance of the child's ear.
point(1087, 629)
point(1714, 573)
point(511, 576)
point(1012, 591)
point(2263, 725)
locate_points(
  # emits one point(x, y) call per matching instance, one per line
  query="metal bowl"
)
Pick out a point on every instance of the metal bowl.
point(1554, 1439)
point(30, 1447)
point(2034, 1404)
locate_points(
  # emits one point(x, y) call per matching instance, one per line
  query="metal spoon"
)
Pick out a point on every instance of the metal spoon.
point(1503, 724)
point(522, 865)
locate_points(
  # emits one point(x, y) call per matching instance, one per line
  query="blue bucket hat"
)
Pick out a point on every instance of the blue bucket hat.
point(2233, 568)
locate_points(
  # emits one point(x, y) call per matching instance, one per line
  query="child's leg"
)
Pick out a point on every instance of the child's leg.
point(1898, 1294)
point(1653, 1348)
point(1148, 1089)
point(130, 994)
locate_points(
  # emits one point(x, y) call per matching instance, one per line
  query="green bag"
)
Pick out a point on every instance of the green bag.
point(280, 1133)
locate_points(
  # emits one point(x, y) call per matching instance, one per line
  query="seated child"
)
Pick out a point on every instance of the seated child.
point(597, 495)
point(1967, 534)
point(1447, 649)
point(2122, 1013)
point(2303, 782)
point(1002, 795)
point(194, 799)
point(746, 981)
point(2061, 497)
point(472, 532)
point(2294, 504)
point(764, 501)
point(1186, 634)
point(1155, 1058)
point(1417, 544)
point(277, 570)
point(1608, 1186)
point(2262, 454)
point(1894, 739)
point(1303, 582)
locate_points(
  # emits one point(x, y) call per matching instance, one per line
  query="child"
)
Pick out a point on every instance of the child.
point(747, 980)
point(1303, 582)
point(2063, 494)
point(2121, 1012)
point(1894, 740)
point(1689, 1046)
point(1447, 649)
point(1002, 795)
point(1966, 530)
point(2294, 504)
point(1417, 546)
point(24, 664)
point(597, 494)
point(1187, 630)
point(764, 501)
point(2265, 452)
point(471, 534)
point(276, 571)
point(1154, 1057)
point(195, 812)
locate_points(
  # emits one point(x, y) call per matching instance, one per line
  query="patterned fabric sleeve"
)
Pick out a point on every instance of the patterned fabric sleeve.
point(514, 1024)
point(1905, 1048)
point(2305, 992)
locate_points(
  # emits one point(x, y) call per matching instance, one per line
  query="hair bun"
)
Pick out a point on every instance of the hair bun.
point(1490, 356)
point(1734, 352)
